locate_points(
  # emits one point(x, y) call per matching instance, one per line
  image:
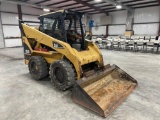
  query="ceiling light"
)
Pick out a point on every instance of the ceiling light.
point(118, 6)
point(46, 9)
point(98, 0)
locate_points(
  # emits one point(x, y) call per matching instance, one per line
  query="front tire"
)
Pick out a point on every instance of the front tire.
point(38, 67)
point(62, 74)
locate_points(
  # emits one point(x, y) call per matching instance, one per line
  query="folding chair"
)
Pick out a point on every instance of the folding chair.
point(150, 45)
point(139, 45)
point(141, 37)
point(131, 45)
point(104, 43)
point(147, 37)
point(132, 37)
point(99, 43)
point(109, 44)
point(115, 44)
point(156, 44)
point(122, 44)
point(158, 48)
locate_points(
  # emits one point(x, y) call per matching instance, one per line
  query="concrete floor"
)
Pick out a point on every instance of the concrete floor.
point(22, 98)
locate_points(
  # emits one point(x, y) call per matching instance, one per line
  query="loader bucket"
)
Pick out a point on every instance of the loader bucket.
point(103, 92)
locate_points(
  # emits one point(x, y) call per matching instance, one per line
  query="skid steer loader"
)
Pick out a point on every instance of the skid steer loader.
point(58, 49)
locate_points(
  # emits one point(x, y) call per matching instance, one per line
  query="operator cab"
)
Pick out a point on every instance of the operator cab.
point(64, 25)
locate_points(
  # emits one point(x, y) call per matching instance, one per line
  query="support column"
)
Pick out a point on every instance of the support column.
point(159, 19)
point(20, 15)
point(159, 29)
point(129, 24)
point(19, 12)
point(106, 30)
point(2, 42)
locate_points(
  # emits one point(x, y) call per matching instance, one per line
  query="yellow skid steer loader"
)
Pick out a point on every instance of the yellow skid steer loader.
point(58, 48)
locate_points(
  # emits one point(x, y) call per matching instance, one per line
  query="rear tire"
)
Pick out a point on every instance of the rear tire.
point(62, 74)
point(38, 67)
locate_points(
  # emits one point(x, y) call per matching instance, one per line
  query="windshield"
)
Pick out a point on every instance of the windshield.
point(47, 23)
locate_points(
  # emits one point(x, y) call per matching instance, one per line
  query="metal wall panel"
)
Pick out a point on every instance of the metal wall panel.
point(13, 42)
point(146, 29)
point(99, 30)
point(150, 14)
point(142, 15)
point(106, 20)
point(10, 22)
point(9, 7)
point(9, 18)
point(32, 11)
point(30, 18)
point(84, 20)
point(11, 31)
point(1, 35)
point(116, 30)
point(97, 18)
point(119, 17)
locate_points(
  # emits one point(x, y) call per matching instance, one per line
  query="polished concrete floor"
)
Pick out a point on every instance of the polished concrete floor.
point(22, 98)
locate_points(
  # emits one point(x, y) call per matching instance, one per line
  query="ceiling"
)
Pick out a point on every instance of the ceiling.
point(92, 6)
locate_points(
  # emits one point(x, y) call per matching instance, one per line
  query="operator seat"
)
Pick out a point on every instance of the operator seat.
point(72, 40)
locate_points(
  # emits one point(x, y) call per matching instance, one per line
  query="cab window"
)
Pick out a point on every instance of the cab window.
point(48, 23)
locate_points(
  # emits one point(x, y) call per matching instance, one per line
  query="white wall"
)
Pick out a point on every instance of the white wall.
point(1, 35)
point(31, 18)
point(119, 17)
point(32, 11)
point(84, 20)
point(11, 31)
point(99, 30)
point(150, 14)
point(10, 28)
point(9, 18)
point(116, 29)
point(9, 7)
point(97, 19)
point(142, 15)
point(146, 29)
point(31, 14)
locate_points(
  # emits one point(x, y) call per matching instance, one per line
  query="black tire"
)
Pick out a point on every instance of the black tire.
point(38, 67)
point(62, 74)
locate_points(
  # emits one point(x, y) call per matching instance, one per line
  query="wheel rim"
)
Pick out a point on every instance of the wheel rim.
point(34, 68)
point(58, 73)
